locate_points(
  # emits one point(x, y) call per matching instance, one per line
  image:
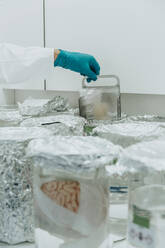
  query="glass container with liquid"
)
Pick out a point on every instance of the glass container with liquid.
point(101, 100)
point(142, 164)
point(147, 217)
point(71, 191)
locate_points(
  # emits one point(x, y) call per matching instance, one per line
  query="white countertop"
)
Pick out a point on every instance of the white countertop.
point(120, 244)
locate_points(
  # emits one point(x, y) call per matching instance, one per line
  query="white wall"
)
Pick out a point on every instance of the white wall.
point(126, 36)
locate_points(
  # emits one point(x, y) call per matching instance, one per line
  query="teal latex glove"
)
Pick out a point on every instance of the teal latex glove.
point(84, 64)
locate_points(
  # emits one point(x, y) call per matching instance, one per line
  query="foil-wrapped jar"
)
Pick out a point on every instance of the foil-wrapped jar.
point(146, 118)
point(63, 125)
point(145, 163)
point(129, 133)
point(71, 190)
point(9, 117)
point(41, 107)
point(16, 212)
point(147, 222)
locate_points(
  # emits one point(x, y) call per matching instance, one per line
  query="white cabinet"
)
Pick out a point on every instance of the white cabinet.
point(21, 23)
point(127, 37)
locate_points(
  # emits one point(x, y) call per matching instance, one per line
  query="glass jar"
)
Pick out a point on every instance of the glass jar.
point(101, 100)
point(71, 190)
point(147, 217)
point(140, 164)
point(66, 207)
point(145, 164)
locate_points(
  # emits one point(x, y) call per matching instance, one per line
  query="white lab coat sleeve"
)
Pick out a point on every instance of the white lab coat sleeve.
point(19, 64)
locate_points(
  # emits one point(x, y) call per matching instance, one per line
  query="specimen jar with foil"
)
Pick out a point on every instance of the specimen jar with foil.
point(71, 191)
point(61, 124)
point(128, 133)
point(147, 217)
point(9, 116)
point(145, 163)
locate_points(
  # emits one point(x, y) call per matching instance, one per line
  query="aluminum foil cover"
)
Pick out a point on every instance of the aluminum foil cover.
point(74, 154)
point(10, 118)
point(126, 134)
point(148, 118)
point(64, 125)
point(144, 156)
point(37, 107)
point(106, 122)
point(16, 218)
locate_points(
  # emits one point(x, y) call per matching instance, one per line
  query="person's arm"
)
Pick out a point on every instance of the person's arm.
point(19, 64)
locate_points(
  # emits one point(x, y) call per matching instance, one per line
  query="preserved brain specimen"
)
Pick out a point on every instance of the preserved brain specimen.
point(64, 193)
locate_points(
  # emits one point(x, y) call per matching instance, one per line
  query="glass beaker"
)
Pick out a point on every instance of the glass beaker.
point(101, 100)
point(147, 217)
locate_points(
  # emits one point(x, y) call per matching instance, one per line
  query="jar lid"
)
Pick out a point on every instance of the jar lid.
point(74, 154)
point(129, 133)
point(69, 120)
point(145, 155)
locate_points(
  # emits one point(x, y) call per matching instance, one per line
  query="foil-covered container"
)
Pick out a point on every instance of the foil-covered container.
point(145, 163)
point(129, 133)
point(146, 118)
point(63, 125)
point(16, 212)
point(144, 156)
point(139, 164)
point(71, 188)
point(9, 117)
point(40, 107)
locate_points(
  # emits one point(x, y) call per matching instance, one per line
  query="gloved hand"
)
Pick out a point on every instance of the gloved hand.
point(84, 64)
